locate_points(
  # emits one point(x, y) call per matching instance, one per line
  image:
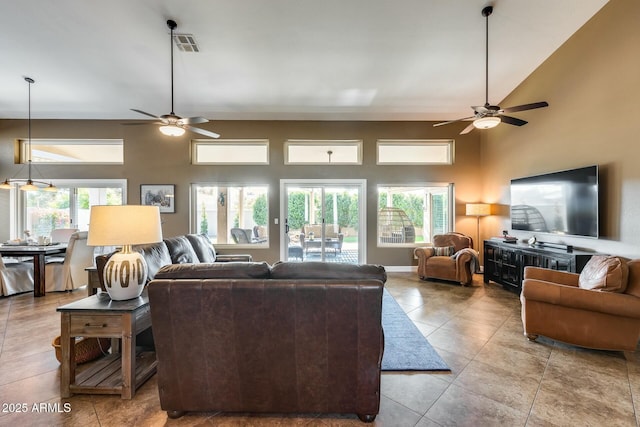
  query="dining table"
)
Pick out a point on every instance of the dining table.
point(38, 253)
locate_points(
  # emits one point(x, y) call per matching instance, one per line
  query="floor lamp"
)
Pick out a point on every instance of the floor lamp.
point(478, 210)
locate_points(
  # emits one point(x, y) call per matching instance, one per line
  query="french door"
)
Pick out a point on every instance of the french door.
point(324, 220)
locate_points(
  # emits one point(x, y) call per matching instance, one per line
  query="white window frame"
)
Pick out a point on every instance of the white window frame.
point(398, 144)
point(25, 155)
point(194, 220)
point(17, 199)
point(243, 143)
point(450, 217)
point(329, 144)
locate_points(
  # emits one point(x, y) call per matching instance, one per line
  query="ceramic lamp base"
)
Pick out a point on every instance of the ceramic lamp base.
point(125, 274)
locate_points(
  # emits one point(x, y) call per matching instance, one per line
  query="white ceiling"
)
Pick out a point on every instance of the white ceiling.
point(276, 59)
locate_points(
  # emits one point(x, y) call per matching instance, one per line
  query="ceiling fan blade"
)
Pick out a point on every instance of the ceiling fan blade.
point(467, 129)
point(512, 121)
point(193, 120)
point(202, 131)
point(145, 113)
point(525, 107)
point(453, 121)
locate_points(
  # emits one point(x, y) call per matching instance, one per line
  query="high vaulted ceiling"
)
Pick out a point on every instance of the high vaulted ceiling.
point(275, 59)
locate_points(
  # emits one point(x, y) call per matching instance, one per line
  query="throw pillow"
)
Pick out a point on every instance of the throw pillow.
point(604, 273)
point(444, 250)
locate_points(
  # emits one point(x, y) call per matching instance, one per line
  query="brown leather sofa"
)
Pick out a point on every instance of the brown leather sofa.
point(454, 265)
point(189, 248)
point(598, 308)
point(247, 337)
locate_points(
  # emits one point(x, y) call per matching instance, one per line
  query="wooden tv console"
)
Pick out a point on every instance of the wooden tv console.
point(504, 262)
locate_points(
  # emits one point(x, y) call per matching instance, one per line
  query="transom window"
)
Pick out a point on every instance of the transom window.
point(231, 214)
point(76, 151)
point(230, 152)
point(413, 214)
point(317, 152)
point(415, 152)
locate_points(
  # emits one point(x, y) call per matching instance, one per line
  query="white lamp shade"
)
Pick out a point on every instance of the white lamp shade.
point(478, 209)
point(124, 225)
point(486, 122)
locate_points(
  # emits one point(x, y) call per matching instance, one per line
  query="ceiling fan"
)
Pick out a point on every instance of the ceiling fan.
point(172, 124)
point(487, 115)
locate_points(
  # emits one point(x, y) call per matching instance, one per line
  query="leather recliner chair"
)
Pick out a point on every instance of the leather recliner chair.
point(449, 258)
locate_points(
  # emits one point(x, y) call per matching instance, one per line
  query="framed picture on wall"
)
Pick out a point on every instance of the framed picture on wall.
point(161, 195)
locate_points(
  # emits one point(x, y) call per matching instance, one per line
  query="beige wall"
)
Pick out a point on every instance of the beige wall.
point(592, 84)
point(151, 158)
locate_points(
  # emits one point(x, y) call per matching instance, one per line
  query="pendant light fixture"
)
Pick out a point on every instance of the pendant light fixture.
point(29, 184)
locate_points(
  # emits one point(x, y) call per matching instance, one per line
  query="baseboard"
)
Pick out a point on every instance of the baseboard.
point(401, 268)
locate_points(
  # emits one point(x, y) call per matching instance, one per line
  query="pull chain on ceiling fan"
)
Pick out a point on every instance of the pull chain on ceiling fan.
point(172, 124)
point(489, 116)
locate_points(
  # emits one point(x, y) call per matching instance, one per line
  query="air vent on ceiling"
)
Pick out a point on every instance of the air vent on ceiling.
point(186, 42)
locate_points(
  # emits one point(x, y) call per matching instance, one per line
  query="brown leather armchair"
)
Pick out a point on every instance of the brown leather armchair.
point(557, 305)
point(453, 265)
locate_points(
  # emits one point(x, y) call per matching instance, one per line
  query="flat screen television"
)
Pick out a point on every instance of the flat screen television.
point(564, 202)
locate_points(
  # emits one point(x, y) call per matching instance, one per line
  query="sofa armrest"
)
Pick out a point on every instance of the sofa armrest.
point(618, 304)
point(554, 276)
point(423, 253)
point(234, 258)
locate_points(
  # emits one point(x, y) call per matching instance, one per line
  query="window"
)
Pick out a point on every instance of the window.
point(413, 214)
point(231, 214)
point(331, 152)
point(415, 152)
point(69, 207)
point(76, 151)
point(230, 152)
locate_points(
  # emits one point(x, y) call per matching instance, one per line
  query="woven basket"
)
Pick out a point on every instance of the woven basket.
point(87, 349)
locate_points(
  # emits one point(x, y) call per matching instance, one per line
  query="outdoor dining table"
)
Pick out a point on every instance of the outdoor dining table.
point(38, 253)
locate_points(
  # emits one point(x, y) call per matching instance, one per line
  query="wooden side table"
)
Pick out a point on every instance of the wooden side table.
point(120, 372)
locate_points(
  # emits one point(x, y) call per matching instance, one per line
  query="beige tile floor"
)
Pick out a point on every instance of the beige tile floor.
point(497, 378)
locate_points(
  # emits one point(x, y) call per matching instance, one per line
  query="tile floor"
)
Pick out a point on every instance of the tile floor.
point(497, 378)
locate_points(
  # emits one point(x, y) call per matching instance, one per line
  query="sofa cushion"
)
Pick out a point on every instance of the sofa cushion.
point(156, 255)
point(444, 250)
point(604, 273)
point(224, 270)
point(203, 247)
point(327, 271)
point(181, 250)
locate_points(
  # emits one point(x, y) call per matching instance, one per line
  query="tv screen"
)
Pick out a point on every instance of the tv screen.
point(564, 202)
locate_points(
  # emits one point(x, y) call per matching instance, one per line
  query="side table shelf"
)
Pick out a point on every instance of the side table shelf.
point(504, 263)
point(104, 376)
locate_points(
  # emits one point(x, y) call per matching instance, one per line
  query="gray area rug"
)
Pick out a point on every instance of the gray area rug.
point(405, 348)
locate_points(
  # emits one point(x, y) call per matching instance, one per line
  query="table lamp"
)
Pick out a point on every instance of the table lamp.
point(125, 274)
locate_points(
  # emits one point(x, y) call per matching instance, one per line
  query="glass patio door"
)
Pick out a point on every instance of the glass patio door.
point(323, 220)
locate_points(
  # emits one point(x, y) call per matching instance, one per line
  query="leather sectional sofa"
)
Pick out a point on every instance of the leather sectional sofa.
point(249, 337)
point(189, 248)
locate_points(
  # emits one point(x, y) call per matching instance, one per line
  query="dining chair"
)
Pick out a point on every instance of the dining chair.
point(62, 235)
point(15, 277)
point(70, 273)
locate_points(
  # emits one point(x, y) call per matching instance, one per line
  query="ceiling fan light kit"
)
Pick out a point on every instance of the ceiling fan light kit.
point(172, 124)
point(172, 130)
point(486, 122)
point(489, 116)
